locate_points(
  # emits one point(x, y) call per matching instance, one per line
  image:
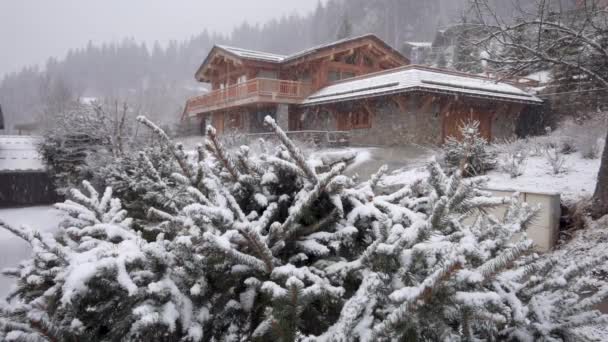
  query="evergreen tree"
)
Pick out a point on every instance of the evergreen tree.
point(466, 55)
point(469, 153)
point(346, 28)
point(268, 248)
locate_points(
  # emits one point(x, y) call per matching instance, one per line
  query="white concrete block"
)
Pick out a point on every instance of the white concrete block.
point(544, 231)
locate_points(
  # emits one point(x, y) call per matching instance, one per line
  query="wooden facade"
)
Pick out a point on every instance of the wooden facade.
point(248, 85)
point(241, 78)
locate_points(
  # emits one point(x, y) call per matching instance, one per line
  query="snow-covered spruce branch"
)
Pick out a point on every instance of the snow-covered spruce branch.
point(301, 204)
point(214, 145)
point(295, 152)
point(409, 296)
point(273, 255)
point(176, 149)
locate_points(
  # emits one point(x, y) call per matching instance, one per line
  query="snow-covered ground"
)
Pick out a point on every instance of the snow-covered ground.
point(369, 159)
point(577, 181)
point(12, 248)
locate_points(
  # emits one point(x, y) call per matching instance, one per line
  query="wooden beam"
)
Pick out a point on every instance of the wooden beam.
point(427, 101)
point(401, 102)
point(367, 107)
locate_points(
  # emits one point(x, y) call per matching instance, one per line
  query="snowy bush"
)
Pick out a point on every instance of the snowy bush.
point(471, 154)
point(537, 145)
point(513, 155)
point(587, 137)
point(555, 159)
point(83, 139)
point(265, 248)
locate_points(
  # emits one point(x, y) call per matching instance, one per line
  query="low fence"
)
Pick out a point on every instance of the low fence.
point(26, 188)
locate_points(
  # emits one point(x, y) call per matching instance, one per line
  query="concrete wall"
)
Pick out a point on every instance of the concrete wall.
point(544, 230)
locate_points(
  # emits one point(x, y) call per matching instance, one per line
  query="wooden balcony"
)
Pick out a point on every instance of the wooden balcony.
point(257, 90)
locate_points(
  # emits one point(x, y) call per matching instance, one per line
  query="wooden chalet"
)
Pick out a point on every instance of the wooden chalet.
point(359, 85)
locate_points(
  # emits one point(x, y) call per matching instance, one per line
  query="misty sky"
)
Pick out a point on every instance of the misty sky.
point(33, 30)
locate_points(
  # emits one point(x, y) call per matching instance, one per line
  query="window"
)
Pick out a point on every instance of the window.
point(268, 74)
point(346, 74)
point(305, 77)
point(337, 75)
point(360, 119)
point(333, 76)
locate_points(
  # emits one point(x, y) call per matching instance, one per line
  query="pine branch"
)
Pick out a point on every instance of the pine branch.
point(176, 151)
point(376, 177)
point(215, 146)
point(297, 211)
point(24, 235)
point(504, 259)
point(295, 153)
point(411, 296)
point(223, 245)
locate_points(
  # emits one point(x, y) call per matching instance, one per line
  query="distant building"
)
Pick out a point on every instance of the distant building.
point(418, 52)
point(361, 86)
point(23, 175)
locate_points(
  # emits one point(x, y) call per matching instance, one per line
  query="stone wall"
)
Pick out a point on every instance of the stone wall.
point(310, 119)
point(416, 120)
point(411, 123)
point(392, 126)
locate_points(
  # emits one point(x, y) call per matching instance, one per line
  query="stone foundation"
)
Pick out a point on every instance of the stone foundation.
point(392, 127)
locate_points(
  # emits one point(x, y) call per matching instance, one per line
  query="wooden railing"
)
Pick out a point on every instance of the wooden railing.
point(269, 89)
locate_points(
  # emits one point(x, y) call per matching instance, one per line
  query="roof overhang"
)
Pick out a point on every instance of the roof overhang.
point(420, 79)
point(318, 51)
point(308, 103)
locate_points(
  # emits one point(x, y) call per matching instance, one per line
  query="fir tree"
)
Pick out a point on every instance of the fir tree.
point(346, 28)
point(470, 154)
point(466, 55)
point(267, 247)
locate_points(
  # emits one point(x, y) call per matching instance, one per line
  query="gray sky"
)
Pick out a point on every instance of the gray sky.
point(33, 30)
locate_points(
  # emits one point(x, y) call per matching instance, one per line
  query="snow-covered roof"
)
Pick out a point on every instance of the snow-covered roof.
point(543, 76)
point(419, 78)
point(314, 49)
point(420, 44)
point(277, 58)
point(20, 153)
point(252, 54)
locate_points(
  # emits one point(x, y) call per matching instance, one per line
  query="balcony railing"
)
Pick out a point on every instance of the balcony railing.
point(255, 90)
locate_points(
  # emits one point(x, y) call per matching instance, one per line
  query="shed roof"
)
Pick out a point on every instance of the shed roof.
point(419, 78)
point(20, 153)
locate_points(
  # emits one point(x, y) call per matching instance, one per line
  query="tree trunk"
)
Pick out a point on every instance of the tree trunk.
point(600, 197)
